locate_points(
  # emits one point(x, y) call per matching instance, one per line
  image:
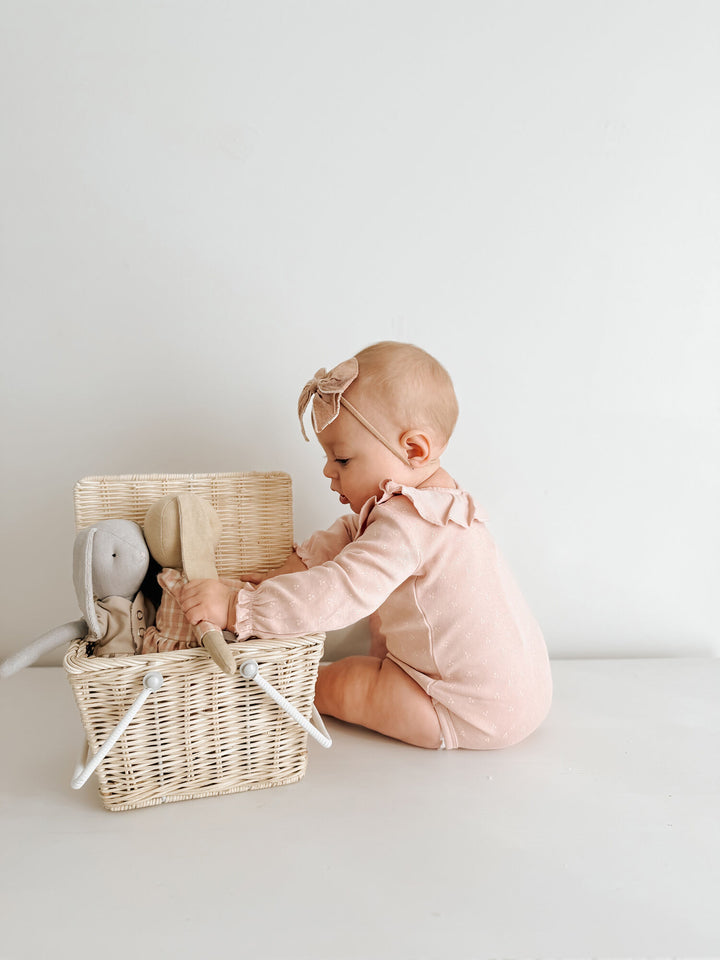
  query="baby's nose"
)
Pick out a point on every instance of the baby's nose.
point(327, 470)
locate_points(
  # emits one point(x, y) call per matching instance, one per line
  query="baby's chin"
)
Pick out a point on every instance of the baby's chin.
point(355, 505)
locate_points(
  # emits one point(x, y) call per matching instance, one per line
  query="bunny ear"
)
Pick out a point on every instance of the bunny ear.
point(82, 578)
point(199, 534)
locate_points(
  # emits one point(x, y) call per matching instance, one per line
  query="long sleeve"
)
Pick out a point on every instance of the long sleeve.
point(336, 593)
point(327, 544)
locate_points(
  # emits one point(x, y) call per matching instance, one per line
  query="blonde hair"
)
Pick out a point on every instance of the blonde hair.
point(406, 384)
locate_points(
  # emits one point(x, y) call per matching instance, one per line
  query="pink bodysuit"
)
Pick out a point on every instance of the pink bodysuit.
point(450, 612)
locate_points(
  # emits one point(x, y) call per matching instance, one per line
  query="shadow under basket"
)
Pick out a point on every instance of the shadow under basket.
point(200, 732)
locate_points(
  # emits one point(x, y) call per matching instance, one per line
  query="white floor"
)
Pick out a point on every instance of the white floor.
point(598, 837)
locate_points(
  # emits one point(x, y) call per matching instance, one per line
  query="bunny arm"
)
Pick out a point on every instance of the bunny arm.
point(65, 633)
point(216, 645)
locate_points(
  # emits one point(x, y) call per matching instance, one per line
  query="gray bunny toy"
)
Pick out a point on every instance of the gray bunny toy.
point(110, 561)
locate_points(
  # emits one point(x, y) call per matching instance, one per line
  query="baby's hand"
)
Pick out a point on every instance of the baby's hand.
point(293, 564)
point(206, 600)
point(255, 577)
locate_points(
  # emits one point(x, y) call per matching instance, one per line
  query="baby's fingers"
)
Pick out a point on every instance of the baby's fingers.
point(205, 600)
point(189, 593)
point(192, 598)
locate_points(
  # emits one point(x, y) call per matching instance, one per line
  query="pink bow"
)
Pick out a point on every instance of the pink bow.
point(325, 390)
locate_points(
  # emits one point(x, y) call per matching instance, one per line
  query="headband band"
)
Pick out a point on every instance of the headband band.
point(326, 392)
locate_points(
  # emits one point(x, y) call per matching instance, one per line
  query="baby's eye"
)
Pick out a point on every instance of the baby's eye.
point(343, 463)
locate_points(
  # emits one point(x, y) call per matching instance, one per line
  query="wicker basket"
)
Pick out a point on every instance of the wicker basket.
point(203, 733)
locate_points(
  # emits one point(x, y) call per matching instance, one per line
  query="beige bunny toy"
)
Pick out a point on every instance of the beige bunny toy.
point(182, 532)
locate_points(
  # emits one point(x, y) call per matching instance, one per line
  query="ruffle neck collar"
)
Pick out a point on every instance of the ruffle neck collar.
point(438, 505)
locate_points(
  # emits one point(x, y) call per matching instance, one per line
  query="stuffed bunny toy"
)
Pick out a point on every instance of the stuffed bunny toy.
point(182, 532)
point(110, 561)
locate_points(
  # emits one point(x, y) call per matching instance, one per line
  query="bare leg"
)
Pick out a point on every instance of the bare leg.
point(379, 695)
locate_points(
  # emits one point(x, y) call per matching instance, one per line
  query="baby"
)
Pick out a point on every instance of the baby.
point(457, 660)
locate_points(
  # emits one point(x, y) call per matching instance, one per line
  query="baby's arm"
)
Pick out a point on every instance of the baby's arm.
point(325, 545)
point(329, 596)
point(215, 601)
point(201, 598)
point(379, 695)
point(293, 564)
point(320, 546)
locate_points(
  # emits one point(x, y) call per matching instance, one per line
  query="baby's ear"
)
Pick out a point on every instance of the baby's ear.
point(417, 447)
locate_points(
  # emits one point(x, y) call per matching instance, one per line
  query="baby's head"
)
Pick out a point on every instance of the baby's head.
point(385, 414)
point(401, 387)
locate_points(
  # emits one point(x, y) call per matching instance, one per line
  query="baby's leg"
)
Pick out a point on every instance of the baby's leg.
point(379, 695)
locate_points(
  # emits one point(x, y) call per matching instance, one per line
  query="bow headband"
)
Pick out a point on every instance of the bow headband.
point(326, 392)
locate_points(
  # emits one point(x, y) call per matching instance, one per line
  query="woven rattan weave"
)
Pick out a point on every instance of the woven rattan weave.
point(204, 733)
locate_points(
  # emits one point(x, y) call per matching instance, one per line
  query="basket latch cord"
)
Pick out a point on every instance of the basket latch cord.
point(249, 670)
point(151, 684)
point(153, 681)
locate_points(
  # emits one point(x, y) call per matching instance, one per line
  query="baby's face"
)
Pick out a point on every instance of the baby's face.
point(356, 463)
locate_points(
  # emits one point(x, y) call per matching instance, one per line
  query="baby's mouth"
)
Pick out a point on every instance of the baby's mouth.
point(342, 498)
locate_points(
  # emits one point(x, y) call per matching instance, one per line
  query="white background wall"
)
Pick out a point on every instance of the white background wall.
point(203, 202)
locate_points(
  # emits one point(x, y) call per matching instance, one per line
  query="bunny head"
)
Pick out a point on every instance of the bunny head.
point(110, 559)
point(182, 531)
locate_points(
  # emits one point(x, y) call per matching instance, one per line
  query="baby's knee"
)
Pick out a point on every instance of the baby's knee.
point(345, 688)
